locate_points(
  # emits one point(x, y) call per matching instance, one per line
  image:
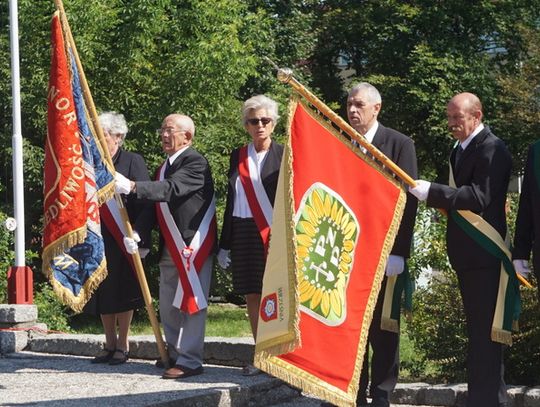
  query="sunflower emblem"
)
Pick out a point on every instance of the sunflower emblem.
point(326, 235)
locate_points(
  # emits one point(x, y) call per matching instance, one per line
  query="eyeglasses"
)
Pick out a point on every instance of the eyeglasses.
point(264, 121)
point(168, 131)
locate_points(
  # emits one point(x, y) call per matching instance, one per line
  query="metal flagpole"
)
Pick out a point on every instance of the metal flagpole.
point(19, 277)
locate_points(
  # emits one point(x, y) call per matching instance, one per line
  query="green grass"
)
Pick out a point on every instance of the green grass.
point(223, 320)
point(412, 367)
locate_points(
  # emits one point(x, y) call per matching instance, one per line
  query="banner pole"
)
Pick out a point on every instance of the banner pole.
point(141, 277)
point(285, 75)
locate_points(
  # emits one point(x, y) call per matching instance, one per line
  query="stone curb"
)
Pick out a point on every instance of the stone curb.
point(239, 352)
point(454, 395)
point(217, 350)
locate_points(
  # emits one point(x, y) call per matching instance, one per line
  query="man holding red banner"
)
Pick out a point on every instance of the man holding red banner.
point(363, 107)
point(185, 212)
point(475, 198)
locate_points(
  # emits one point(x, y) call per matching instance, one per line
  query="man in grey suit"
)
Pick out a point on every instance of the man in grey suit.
point(480, 167)
point(363, 107)
point(185, 212)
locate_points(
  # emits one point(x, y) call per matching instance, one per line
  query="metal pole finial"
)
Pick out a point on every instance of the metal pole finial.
point(284, 75)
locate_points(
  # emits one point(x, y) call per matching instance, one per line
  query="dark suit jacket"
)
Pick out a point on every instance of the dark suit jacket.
point(132, 166)
point(188, 189)
point(482, 181)
point(269, 176)
point(400, 149)
point(527, 235)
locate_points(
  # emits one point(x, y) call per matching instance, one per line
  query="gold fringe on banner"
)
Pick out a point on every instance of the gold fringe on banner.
point(77, 303)
point(307, 382)
point(265, 358)
point(62, 244)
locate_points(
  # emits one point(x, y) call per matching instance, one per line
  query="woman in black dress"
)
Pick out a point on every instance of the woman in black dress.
point(119, 294)
point(253, 176)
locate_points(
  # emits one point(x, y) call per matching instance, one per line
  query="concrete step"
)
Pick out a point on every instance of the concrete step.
point(30, 378)
point(217, 350)
point(56, 370)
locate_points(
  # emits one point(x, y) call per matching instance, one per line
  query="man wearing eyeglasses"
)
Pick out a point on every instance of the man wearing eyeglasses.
point(363, 107)
point(185, 211)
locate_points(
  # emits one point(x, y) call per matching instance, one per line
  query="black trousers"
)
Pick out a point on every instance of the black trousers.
point(485, 363)
point(384, 360)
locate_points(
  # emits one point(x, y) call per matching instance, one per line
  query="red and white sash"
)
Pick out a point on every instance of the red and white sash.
point(110, 214)
point(259, 204)
point(188, 260)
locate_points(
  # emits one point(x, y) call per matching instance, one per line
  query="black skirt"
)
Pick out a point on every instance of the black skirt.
point(120, 291)
point(247, 256)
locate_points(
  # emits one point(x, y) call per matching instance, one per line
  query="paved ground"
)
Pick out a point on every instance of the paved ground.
point(55, 370)
point(40, 379)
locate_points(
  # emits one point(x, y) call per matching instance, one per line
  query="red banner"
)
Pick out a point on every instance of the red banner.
point(346, 212)
point(64, 178)
point(77, 180)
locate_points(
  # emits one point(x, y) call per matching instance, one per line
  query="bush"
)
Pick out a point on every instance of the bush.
point(438, 329)
point(438, 326)
point(6, 257)
point(522, 358)
point(50, 309)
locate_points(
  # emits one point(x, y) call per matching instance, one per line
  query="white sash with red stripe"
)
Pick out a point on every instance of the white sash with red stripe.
point(188, 260)
point(110, 214)
point(259, 204)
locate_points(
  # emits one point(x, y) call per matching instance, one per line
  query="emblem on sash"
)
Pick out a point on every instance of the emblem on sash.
point(269, 307)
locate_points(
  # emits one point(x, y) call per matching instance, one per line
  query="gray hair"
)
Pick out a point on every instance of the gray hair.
point(372, 93)
point(260, 102)
point(114, 123)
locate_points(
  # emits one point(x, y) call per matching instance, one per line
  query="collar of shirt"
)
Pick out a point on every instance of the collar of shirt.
point(176, 155)
point(468, 140)
point(370, 134)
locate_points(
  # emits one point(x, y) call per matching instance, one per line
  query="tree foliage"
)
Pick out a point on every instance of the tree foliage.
point(148, 58)
point(421, 52)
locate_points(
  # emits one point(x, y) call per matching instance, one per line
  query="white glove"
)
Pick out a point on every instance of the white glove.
point(131, 244)
point(522, 267)
point(143, 252)
point(122, 185)
point(395, 265)
point(421, 190)
point(223, 258)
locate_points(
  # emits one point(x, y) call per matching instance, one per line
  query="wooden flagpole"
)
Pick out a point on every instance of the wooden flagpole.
point(285, 75)
point(141, 277)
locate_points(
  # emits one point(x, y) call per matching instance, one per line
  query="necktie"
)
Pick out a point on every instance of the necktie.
point(459, 153)
point(167, 166)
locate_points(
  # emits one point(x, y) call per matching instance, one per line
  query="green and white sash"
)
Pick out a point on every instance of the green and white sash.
point(396, 287)
point(508, 304)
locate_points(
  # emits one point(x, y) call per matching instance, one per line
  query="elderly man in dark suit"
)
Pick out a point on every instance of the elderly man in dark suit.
point(480, 172)
point(527, 236)
point(363, 107)
point(185, 211)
